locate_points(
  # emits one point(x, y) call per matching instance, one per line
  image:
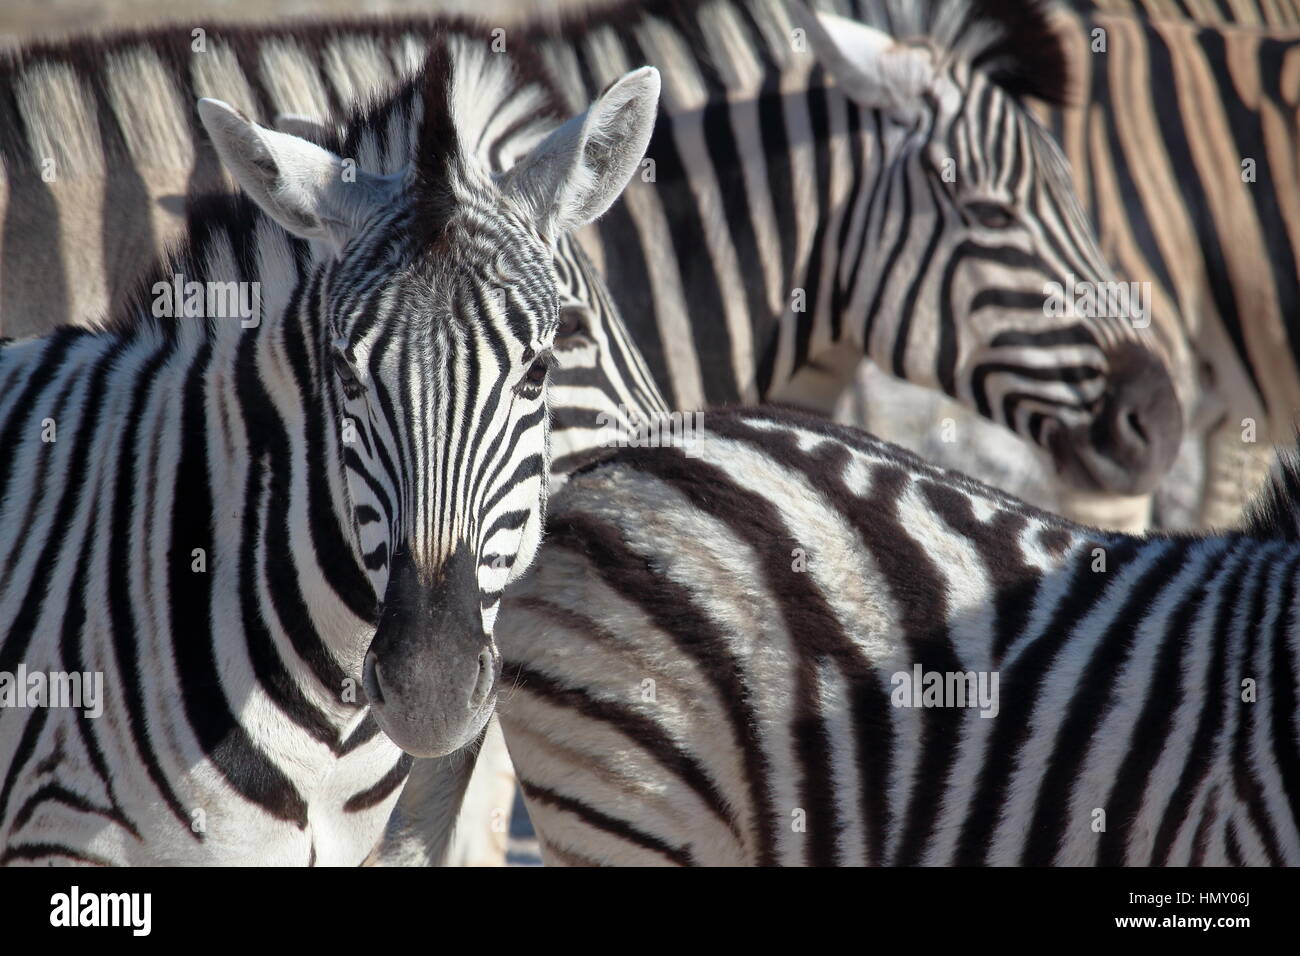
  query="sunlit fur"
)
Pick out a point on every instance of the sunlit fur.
point(704, 664)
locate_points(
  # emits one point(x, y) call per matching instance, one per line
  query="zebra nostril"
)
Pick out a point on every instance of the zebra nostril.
point(483, 683)
point(1134, 423)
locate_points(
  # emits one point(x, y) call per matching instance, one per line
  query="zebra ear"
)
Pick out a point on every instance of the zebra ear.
point(297, 183)
point(869, 65)
point(577, 172)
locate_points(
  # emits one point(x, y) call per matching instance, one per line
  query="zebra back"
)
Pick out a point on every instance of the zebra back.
point(791, 643)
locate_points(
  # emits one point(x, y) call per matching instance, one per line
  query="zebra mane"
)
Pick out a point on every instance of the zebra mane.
point(1013, 42)
point(1274, 512)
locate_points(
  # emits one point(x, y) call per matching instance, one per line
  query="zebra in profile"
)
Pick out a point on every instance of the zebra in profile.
point(888, 194)
point(890, 221)
point(273, 539)
point(798, 644)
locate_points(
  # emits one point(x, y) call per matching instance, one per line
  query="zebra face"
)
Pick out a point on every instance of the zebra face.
point(442, 372)
point(991, 284)
point(1044, 340)
point(439, 307)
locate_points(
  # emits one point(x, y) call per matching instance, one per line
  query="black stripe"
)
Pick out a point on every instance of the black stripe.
point(674, 611)
point(1218, 697)
point(647, 734)
point(224, 740)
point(601, 821)
point(1150, 735)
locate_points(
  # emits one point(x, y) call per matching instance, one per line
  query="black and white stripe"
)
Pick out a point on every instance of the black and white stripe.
point(275, 541)
point(704, 665)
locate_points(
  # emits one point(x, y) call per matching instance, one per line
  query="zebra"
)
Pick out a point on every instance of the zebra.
point(845, 210)
point(799, 192)
point(799, 645)
point(269, 540)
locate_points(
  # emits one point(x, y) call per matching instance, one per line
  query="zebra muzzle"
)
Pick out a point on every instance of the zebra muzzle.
point(431, 671)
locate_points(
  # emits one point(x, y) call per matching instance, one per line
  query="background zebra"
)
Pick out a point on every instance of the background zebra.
point(1183, 144)
point(244, 520)
point(1255, 13)
point(716, 661)
point(747, 118)
point(901, 223)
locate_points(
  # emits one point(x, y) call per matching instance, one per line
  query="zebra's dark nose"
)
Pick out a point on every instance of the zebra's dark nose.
point(430, 674)
point(1140, 425)
point(1135, 435)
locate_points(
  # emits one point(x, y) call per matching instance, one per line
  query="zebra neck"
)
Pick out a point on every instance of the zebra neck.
point(270, 395)
point(758, 204)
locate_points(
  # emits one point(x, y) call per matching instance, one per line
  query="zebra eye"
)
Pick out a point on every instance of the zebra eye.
point(990, 215)
point(531, 384)
point(347, 373)
point(570, 322)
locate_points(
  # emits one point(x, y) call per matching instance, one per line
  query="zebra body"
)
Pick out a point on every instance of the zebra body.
point(1252, 13)
point(715, 659)
point(804, 198)
point(276, 538)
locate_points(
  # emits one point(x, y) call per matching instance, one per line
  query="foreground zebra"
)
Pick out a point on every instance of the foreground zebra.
point(713, 663)
point(263, 534)
point(803, 209)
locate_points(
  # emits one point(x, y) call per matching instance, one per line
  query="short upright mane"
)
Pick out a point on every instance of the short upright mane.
point(1274, 513)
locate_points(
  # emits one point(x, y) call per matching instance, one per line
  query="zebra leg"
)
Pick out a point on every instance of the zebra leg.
point(422, 826)
point(482, 828)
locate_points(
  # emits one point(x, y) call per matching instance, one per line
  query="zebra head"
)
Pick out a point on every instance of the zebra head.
point(984, 275)
point(438, 309)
